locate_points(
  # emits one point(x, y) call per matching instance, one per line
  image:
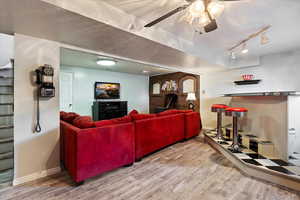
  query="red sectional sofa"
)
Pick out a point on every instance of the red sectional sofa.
point(92, 151)
point(90, 148)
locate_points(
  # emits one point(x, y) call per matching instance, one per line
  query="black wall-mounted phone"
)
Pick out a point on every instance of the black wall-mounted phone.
point(46, 89)
point(44, 78)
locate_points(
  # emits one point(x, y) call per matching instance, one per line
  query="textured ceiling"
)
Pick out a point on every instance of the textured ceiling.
point(39, 19)
point(74, 58)
point(240, 19)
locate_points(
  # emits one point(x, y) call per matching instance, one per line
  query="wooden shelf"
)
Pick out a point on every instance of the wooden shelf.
point(248, 82)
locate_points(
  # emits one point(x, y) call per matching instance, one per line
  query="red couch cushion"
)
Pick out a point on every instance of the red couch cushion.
point(133, 112)
point(69, 117)
point(120, 120)
point(142, 116)
point(104, 123)
point(155, 133)
point(83, 122)
point(168, 112)
point(185, 111)
point(193, 124)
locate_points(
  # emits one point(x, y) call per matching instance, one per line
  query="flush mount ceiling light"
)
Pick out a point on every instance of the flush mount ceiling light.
point(106, 62)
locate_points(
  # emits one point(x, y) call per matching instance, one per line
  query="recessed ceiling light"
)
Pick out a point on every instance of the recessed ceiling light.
point(145, 71)
point(106, 62)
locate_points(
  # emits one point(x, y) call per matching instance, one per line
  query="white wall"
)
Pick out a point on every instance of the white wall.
point(134, 88)
point(36, 154)
point(278, 72)
point(6, 48)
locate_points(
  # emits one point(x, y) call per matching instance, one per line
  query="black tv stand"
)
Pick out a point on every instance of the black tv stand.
point(109, 109)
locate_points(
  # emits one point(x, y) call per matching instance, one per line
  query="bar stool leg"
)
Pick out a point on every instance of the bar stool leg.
point(219, 135)
point(235, 147)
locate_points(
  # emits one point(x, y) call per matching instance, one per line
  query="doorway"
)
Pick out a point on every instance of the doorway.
point(66, 91)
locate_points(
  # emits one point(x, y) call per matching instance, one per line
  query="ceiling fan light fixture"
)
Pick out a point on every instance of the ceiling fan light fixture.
point(215, 8)
point(197, 8)
point(204, 19)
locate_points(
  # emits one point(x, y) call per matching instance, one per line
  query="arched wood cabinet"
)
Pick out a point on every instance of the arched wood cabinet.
point(178, 83)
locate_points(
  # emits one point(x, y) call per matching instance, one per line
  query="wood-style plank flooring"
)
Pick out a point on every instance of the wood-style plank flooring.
point(184, 171)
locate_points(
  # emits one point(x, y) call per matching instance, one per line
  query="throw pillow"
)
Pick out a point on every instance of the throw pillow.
point(133, 112)
point(83, 122)
point(62, 114)
point(69, 117)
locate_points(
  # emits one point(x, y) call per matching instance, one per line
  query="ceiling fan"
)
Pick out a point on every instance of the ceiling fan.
point(210, 26)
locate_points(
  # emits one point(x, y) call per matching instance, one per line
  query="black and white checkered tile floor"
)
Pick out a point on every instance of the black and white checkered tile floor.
point(250, 157)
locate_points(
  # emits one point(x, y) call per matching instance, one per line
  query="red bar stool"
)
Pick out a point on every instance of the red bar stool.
point(219, 109)
point(235, 113)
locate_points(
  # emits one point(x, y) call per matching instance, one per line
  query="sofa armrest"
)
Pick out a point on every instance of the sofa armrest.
point(69, 140)
point(193, 124)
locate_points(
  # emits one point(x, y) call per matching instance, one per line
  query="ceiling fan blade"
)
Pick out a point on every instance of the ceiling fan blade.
point(211, 26)
point(169, 14)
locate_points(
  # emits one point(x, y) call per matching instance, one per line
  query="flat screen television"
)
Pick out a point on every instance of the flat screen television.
point(105, 90)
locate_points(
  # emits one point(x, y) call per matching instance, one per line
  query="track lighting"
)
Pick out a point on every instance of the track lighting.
point(264, 39)
point(245, 50)
point(232, 55)
point(243, 44)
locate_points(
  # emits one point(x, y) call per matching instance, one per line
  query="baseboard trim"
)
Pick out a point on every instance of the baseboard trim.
point(36, 175)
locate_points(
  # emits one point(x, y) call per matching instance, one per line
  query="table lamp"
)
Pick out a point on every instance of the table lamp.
point(191, 97)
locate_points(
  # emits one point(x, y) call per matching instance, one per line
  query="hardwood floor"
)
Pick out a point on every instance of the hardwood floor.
point(184, 171)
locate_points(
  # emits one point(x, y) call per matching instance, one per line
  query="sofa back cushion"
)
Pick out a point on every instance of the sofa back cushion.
point(168, 112)
point(120, 120)
point(173, 111)
point(103, 123)
point(69, 117)
point(83, 122)
point(142, 116)
point(185, 111)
